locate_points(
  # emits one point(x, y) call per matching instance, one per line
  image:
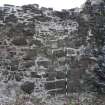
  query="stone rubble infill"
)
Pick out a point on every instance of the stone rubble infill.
point(46, 48)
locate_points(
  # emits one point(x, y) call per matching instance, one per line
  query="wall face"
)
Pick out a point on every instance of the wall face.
point(45, 52)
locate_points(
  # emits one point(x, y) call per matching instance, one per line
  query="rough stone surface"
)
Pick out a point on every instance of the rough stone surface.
point(57, 52)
